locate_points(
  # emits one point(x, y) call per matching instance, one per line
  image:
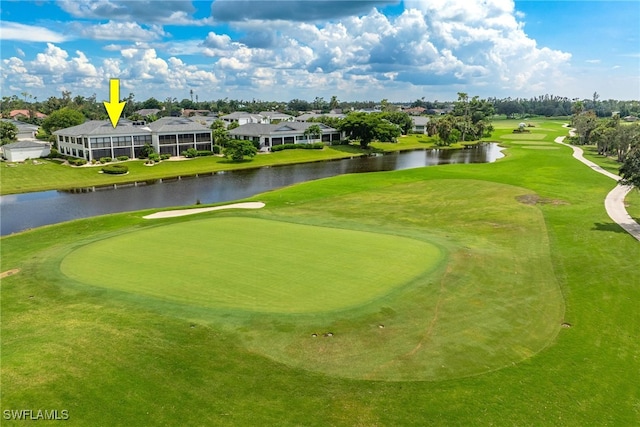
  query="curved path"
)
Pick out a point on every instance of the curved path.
point(192, 211)
point(614, 202)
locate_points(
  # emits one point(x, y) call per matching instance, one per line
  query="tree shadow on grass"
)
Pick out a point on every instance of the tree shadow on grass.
point(608, 226)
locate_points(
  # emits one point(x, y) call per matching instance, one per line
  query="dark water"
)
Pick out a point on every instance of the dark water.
point(23, 211)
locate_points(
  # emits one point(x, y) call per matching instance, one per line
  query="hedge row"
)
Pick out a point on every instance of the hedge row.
point(314, 146)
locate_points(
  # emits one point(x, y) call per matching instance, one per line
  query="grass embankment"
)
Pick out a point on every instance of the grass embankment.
point(527, 247)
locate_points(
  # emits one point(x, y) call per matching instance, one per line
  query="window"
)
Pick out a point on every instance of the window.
point(203, 137)
point(141, 139)
point(121, 141)
point(167, 139)
point(185, 138)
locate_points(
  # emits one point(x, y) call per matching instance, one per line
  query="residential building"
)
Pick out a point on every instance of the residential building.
point(242, 118)
point(419, 124)
point(269, 135)
point(276, 116)
point(146, 112)
point(306, 116)
point(25, 130)
point(98, 138)
point(23, 150)
point(14, 114)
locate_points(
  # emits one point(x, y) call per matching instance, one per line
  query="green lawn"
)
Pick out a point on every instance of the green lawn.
point(529, 317)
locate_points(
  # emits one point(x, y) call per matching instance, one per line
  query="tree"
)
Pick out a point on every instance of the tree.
point(313, 131)
point(8, 132)
point(630, 169)
point(584, 123)
point(61, 119)
point(219, 133)
point(238, 149)
point(146, 151)
point(368, 127)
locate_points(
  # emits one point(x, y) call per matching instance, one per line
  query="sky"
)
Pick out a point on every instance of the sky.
point(278, 50)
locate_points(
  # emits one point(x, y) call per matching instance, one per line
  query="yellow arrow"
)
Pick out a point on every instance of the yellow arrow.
point(114, 106)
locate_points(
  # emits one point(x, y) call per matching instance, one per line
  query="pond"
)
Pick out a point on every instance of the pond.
point(29, 210)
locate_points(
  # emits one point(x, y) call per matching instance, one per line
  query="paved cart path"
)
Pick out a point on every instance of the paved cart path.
point(614, 202)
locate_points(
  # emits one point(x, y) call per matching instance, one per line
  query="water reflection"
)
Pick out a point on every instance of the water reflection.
point(23, 211)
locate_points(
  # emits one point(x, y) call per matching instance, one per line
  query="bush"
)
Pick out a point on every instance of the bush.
point(122, 158)
point(205, 153)
point(154, 157)
point(77, 162)
point(115, 169)
point(55, 154)
point(217, 149)
point(105, 159)
point(165, 156)
point(190, 153)
point(314, 146)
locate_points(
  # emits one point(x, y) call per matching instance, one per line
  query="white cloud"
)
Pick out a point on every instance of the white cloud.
point(112, 30)
point(593, 61)
point(174, 12)
point(29, 33)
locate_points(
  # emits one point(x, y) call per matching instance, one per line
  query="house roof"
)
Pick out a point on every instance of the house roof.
point(307, 116)
point(126, 127)
point(177, 124)
point(22, 126)
point(103, 127)
point(26, 113)
point(275, 115)
point(24, 144)
point(420, 120)
point(241, 114)
point(260, 129)
point(148, 111)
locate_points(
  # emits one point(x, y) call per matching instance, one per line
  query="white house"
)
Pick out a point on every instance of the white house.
point(242, 118)
point(98, 138)
point(269, 135)
point(23, 150)
point(25, 130)
point(419, 124)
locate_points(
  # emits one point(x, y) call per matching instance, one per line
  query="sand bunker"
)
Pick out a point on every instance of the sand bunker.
point(184, 212)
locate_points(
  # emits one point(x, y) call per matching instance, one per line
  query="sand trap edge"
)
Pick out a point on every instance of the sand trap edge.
point(193, 211)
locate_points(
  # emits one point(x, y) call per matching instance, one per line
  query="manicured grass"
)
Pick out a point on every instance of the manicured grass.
point(633, 204)
point(254, 264)
point(527, 244)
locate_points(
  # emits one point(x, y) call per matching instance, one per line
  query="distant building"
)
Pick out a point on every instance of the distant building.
point(269, 135)
point(25, 130)
point(98, 138)
point(242, 118)
point(420, 124)
point(146, 112)
point(23, 150)
point(14, 114)
point(306, 116)
point(273, 116)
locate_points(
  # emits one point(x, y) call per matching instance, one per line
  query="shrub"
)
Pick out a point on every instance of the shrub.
point(217, 149)
point(55, 154)
point(115, 169)
point(77, 162)
point(122, 158)
point(204, 153)
point(105, 159)
point(165, 156)
point(190, 153)
point(154, 157)
point(314, 146)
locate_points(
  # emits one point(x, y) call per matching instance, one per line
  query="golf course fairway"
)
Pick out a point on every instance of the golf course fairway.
point(465, 294)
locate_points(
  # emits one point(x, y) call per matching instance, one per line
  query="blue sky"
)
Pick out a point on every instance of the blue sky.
point(356, 50)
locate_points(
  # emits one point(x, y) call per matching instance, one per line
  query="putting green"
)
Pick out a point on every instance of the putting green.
point(253, 264)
